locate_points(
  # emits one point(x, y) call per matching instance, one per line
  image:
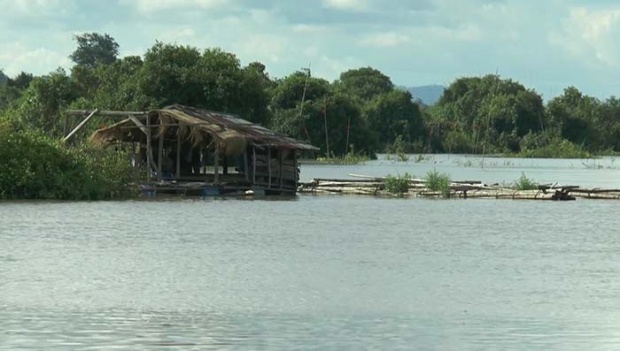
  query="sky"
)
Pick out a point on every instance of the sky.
point(547, 45)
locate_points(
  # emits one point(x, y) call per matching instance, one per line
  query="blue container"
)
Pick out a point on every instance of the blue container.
point(211, 191)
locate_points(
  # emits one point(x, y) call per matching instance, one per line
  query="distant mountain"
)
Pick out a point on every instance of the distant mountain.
point(427, 94)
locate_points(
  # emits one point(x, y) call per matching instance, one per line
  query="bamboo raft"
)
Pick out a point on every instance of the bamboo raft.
point(375, 186)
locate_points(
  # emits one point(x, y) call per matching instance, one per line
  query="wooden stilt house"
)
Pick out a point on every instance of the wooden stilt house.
point(197, 152)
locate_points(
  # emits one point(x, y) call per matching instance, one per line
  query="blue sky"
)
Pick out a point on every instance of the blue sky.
point(545, 44)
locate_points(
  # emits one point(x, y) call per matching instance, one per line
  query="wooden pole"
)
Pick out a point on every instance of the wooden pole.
point(216, 163)
point(92, 114)
point(160, 154)
point(246, 167)
point(178, 154)
point(295, 167)
point(281, 165)
point(254, 164)
point(149, 154)
point(269, 167)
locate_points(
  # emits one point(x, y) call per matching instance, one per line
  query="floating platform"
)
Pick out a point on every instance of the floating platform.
point(376, 186)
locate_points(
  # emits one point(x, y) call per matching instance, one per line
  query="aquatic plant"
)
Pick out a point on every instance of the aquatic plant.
point(436, 181)
point(398, 185)
point(525, 183)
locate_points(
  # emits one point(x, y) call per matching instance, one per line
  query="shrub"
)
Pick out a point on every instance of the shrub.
point(398, 185)
point(34, 166)
point(436, 181)
point(525, 183)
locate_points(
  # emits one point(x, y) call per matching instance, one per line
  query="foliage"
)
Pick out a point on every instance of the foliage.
point(34, 166)
point(398, 185)
point(362, 109)
point(525, 183)
point(550, 146)
point(436, 181)
point(365, 83)
point(94, 49)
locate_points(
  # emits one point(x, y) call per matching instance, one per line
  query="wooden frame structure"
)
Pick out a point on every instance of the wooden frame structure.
point(190, 151)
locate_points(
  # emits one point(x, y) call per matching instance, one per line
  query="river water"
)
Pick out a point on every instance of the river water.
point(319, 272)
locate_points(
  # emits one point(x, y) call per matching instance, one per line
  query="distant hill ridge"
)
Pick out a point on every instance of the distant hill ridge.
point(426, 94)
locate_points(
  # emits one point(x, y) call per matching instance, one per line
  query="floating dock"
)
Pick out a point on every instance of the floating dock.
point(376, 186)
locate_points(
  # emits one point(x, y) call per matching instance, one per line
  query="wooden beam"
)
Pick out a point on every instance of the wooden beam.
point(246, 168)
point(81, 125)
point(138, 124)
point(269, 167)
point(149, 154)
point(253, 164)
point(178, 175)
point(107, 113)
point(216, 163)
point(281, 165)
point(295, 167)
point(160, 154)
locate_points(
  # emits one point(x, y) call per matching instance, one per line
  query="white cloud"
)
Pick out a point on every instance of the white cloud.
point(591, 35)
point(388, 39)
point(19, 57)
point(347, 5)
point(150, 6)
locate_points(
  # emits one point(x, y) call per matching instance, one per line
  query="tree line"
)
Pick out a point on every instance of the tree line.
point(360, 112)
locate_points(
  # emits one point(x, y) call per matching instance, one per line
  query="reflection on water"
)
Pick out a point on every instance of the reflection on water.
point(318, 272)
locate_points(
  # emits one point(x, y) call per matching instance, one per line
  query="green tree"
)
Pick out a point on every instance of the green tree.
point(22, 81)
point(394, 114)
point(488, 113)
point(575, 117)
point(365, 83)
point(43, 102)
point(94, 49)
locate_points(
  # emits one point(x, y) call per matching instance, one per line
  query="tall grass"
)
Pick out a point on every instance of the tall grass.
point(436, 181)
point(398, 185)
point(525, 183)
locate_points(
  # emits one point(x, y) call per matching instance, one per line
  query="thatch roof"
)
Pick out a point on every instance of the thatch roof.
point(232, 133)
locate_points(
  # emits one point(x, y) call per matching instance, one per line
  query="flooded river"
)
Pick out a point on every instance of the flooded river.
point(320, 272)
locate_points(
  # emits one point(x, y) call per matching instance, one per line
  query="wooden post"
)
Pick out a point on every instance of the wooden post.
point(246, 167)
point(178, 175)
point(225, 165)
point(216, 163)
point(254, 164)
point(269, 166)
point(160, 154)
point(281, 165)
point(149, 155)
point(295, 167)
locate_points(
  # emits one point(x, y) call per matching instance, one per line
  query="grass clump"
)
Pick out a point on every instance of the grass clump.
point(398, 185)
point(436, 181)
point(525, 183)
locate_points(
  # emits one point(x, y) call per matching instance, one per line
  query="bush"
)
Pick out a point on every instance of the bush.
point(543, 146)
point(398, 185)
point(34, 166)
point(525, 183)
point(436, 181)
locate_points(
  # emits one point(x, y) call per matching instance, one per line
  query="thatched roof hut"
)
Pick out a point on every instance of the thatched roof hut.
point(232, 134)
